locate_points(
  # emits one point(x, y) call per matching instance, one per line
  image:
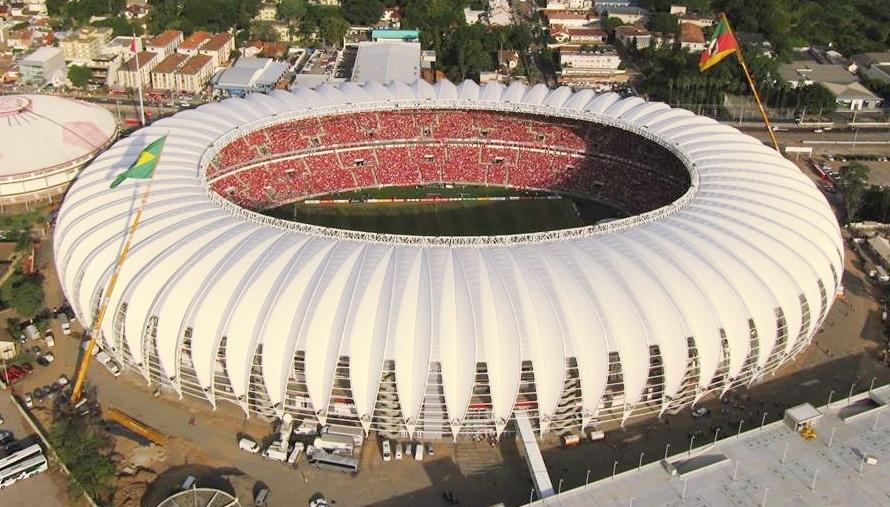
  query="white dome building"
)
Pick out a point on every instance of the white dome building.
point(725, 268)
point(44, 142)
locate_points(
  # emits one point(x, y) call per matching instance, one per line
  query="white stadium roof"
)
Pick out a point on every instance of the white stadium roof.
point(39, 132)
point(751, 235)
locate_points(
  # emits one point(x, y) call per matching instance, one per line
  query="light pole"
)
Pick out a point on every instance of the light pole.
point(815, 474)
point(872, 385)
point(735, 471)
point(531, 495)
point(559, 490)
point(765, 491)
point(691, 443)
point(851, 392)
point(614, 467)
point(685, 480)
point(737, 435)
point(785, 452)
point(587, 479)
point(666, 448)
point(831, 438)
point(830, 394)
point(762, 421)
point(716, 435)
point(641, 460)
point(874, 426)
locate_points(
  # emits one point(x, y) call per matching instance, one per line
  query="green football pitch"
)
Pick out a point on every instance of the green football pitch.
point(456, 218)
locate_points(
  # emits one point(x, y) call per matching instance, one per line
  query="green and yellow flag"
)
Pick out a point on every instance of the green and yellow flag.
point(721, 45)
point(144, 166)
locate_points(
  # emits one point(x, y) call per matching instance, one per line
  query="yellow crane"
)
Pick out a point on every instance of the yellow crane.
point(77, 391)
point(135, 426)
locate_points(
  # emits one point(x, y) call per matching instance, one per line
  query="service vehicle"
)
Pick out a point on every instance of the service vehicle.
point(387, 455)
point(247, 444)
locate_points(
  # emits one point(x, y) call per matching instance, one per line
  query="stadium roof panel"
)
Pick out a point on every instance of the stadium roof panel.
point(750, 255)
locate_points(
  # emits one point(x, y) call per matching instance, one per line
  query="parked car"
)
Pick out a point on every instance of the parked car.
point(387, 455)
point(318, 501)
point(398, 450)
point(189, 482)
point(49, 339)
point(36, 351)
point(6, 437)
point(429, 449)
point(260, 499)
point(63, 380)
point(29, 400)
point(700, 412)
point(247, 444)
point(45, 359)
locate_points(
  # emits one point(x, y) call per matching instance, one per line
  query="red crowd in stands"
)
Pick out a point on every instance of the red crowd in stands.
point(286, 162)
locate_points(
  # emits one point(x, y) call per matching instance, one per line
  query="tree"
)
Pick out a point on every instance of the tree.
point(362, 12)
point(291, 10)
point(664, 23)
point(264, 32)
point(85, 451)
point(24, 293)
point(332, 29)
point(13, 328)
point(815, 98)
point(79, 75)
point(851, 184)
point(120, 27)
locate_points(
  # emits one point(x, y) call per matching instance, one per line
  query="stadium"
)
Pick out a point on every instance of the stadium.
point(70, 133)
point(717, 263)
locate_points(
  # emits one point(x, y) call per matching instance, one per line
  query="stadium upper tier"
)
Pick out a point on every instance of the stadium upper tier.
point(292, 160)
point(44, 141)
point(716, 283)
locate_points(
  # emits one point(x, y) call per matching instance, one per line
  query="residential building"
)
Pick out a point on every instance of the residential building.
point(283, 31)
point(695, 19)
point(86, 43)
point(587, 36)
point(103, 68)
point(392, 16)
point(123, 46)
point(472, 16)
point(268, 12)
point(249, 75)
point(625, 14)
point(251, 48)
point(499, 13)
point(611, 4)
point(757, 41)
point(601, 61)
point(7, 348)
point(46, 65)
point(569, 19)
point(692, 38)
point(508, 58)
point(219, 47)
point(633, 36)
point(872, 65)
point(165, 43)
point(163, 75)
point(129, 75)
point(679, 10)
point(571, 5)
point(194, 74)
point(193, 43)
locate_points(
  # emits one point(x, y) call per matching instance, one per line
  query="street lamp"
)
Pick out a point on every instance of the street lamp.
point(666, 447)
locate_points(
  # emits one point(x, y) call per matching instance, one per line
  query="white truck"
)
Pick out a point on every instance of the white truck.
point(334, 443)
point(108, 362)
point(276, 452)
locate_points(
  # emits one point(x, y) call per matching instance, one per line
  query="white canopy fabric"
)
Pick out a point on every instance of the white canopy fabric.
point(752, 235)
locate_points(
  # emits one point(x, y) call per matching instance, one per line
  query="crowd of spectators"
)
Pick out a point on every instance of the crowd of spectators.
point(287, 162)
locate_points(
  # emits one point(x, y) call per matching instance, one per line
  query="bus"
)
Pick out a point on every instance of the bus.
point(327, 461)
point(21, 465)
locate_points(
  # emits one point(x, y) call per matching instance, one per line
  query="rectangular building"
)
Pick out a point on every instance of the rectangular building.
point(46, 65)
point(194, 74)
point(387, 61)
point(163, 75)
point(193, 43)
point(602, 61)
point(129, 75)
point(165, 43)
point(219, 47)
point(86, 43)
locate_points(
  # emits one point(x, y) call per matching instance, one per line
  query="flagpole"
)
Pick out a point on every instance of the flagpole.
point(106, 296)
point(139, 82)
point(741, 57)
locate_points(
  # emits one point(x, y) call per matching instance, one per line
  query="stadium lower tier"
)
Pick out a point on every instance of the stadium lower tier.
point(625, 184)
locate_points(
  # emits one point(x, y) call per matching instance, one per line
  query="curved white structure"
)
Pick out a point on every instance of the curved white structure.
point(448, 335)
point(44, 141)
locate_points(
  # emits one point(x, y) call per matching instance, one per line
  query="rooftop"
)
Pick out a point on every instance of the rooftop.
point(195, 63)
point(631, 30)
point(164, 38)
point(387, 61)
point(812, 473)
point(169, 64)
point(217, 42)
point(809, 70)
point(144, 58)
point(40, 56)
point(195, 40)
point(691, 33)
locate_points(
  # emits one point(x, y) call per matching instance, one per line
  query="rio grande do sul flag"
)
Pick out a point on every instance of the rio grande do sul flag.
point(721, 45)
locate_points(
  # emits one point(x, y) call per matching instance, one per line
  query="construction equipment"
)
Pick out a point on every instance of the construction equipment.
point(135, 426)
point(106, 297)
point(807, 432)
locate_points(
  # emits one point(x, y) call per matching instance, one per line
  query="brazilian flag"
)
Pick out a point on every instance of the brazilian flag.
point(144, 167)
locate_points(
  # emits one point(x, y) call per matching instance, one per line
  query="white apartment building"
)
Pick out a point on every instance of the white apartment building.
point(165, 43)
point(129, 74)
point(194, 74)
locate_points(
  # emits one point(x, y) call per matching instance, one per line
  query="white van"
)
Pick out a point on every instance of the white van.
point(418, 452)
point(189, 482)
point(387, 454)
point(49, 339)
point(248, 445)
point(64, 324)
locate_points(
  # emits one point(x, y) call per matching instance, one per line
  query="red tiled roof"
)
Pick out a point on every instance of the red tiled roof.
point(217, 41)
point(194, 40)
point(164, 38)
point(170, 63)
point(195, 63)
point(691, 33)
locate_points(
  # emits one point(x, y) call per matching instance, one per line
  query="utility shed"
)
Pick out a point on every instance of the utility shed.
point(802, 415)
